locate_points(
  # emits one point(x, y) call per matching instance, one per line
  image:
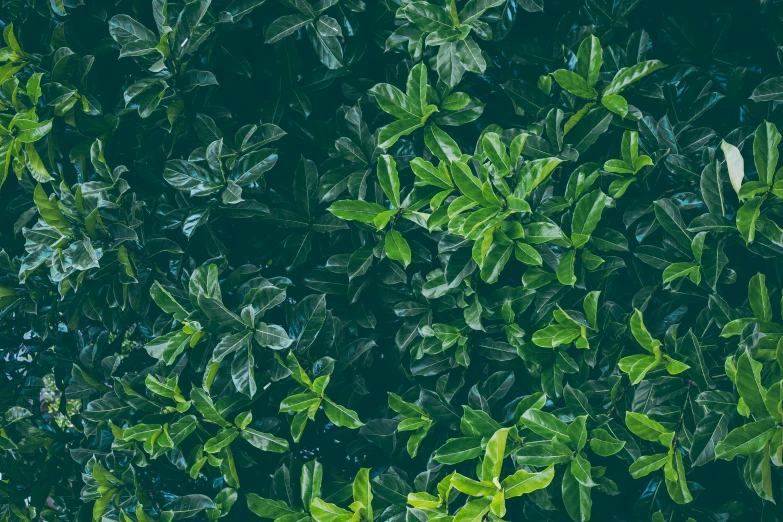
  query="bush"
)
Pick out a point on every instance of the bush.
point(391, 260)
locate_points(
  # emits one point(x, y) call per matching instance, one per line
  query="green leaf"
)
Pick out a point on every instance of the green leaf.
point(534, 173)
point(711, 184)
point(475, 8)
point(243, 372)
point(357, 210)
point(438, 177)
point(580, 469)
point(555, 335)
point(168, 347)
point(397, 248)
point(449, 64)
point(749, 386)
point(638, 366)
point(469, 54)
point(31, 131)
point(645, 428)
point(310, 481)
point(679, 270)
point(467, 183)
point(496, 152)
point(678, 489)
point(50, 212)
point(544, 424)
point(576, 498)
point(340, 415)
point(565, 270)
point(362, 492)
point(230, 344)
point(191, 178)
point(458, 450)
point(494, 454)
point(646, 464)
point(768, 90)
point(588, 128)
point(765, 151)
point(673, 366)
point(389, 179)
point(575, 84)
point(759, 298)
point(494, 262)
point(587, 214)
point(397, 129)
point(735, 164)
point(441, 145)
point(273, 509)
point(628, 75)
point(428, 17)
point(299, 401)
point(746, 439)
point(527, 254)
point(641, 334)
point(416, 88)
point(203, 403)
point(188, 506)
point(523, 482)
point(309, 317)
point(668, 215)
point(747, 216)
point(589, 59)
point(473, 488)
point(617, 104)
point(590, 305)
point(285, 26)
point(709, 431)
point(473, 511)
point(104, 409)
point(272, 336)
point(223, 438)
point(577, 430)
point(323, 511)
point(604, 443)
point(179, 430)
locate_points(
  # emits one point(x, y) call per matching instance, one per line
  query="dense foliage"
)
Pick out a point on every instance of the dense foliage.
point(391, 260)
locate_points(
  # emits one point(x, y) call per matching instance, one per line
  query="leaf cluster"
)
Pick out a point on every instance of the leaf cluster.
point(420, 260)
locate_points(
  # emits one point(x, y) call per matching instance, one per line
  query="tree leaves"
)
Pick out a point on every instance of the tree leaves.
point(297, 207)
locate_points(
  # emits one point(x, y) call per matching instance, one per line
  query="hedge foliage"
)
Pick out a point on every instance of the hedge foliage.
point(391, 260)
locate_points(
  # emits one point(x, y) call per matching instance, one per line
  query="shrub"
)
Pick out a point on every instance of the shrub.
point(390, 260)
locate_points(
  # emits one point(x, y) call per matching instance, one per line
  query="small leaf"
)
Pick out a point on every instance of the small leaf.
point(389, 179)
point(735, 164)
point(397, 248)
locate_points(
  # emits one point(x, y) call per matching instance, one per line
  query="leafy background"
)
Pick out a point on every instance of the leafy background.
point(349, 260)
